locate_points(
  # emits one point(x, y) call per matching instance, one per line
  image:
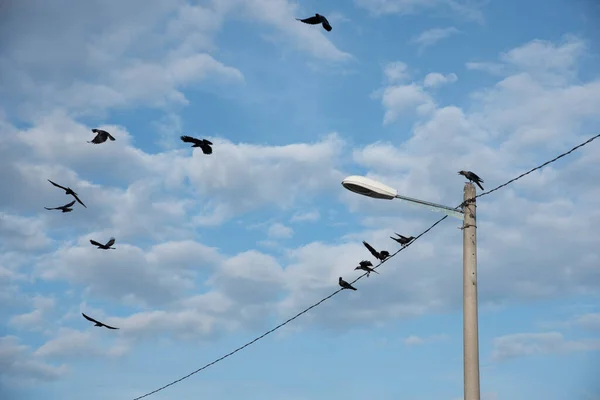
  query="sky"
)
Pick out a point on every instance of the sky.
point(214, 250)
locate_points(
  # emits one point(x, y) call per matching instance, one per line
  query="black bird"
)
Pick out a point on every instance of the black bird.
point(472, 177)
point(317, 19)
point(70, 191)
point(65, 208)
point(366, 265)
point(106, 246)
point(202, 143)
point(97, 323)
point(403, 240)
point(345, 285)
point(380, 255)
point(101, 136)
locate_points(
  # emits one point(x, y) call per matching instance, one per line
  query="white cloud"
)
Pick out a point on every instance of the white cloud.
point(310, 216)
point(527, 344)
point(36, 319)
point(467, 9)
point(280, 231)
point(589, 321)
point(432, 36)
point(435, 79)
point(401, 99)
point(396, 71)
point(18, 365)
point(418, 340)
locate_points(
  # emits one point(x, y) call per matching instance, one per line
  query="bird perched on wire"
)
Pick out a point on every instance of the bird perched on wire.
point(68, 190)
point(403, 240)
point(202, 143)
point(472, 177)
point(66, 208)
point(317, 19)
point(380, 255)
point(97, 323)
point(106, 246)
point(345, 285)
point(366, 265)
point(101, 136)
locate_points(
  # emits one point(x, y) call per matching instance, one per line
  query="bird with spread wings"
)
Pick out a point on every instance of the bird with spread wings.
point(317, 19)
point(68, 190)
point(106, 246)
point(202, 143)
point(97, 323)
point(101, 136)
point(380, 255)
point(66, 208)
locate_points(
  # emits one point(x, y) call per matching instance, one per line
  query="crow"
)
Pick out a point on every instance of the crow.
point(366, 265)
point(380, 255)
point(106, 246)
point(101, 136)
point(472, 177)
point(317, 19)
point(70, 191)
point(65, 208)
point(345, 285)
point(403, 240)
point(202, 143)
point(97, 323)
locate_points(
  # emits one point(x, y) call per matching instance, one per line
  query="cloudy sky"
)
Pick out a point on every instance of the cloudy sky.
point(213, 251)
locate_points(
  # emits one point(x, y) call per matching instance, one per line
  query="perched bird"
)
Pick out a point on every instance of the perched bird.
point(65, 208)
point(472, 177)
point(68, 190)
point(345, 285)
point(366, 265)
point(202, 143)
point(106, 246)
point(380, 255)
point(97, 323)
point(101, 136)
point(317, 19)
point(403, 240)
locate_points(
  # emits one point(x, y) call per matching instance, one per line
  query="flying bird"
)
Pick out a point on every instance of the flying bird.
point(345, 285)
point(68, 190)
point(97, 323)
point(317, 19)
point(472, 177)
point(65, 208)
point(380, 255)
point(202, 143)
point(106, 246)
point(101, 136)
point(366, 265)
point(403, 240)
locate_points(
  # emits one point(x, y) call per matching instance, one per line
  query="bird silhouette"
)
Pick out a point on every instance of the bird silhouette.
point(317, 19)
point(202, 143)
point(403, 240)
point(106, 246)
point(97, 323)
point(472, 177)
point(101, 136)
point(66, 208)
point(366, 265)
point(380, 255)
point(345, 285)
point(68, 190)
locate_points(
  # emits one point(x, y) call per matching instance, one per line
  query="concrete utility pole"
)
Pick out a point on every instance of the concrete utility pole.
point(470, 317)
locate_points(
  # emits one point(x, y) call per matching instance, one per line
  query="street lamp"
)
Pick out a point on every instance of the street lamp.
point(371, 188)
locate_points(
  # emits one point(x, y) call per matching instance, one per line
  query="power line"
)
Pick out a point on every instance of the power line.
point(361, 276)
point(538, 167)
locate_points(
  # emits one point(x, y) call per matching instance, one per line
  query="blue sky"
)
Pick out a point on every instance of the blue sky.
point(212, 251)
